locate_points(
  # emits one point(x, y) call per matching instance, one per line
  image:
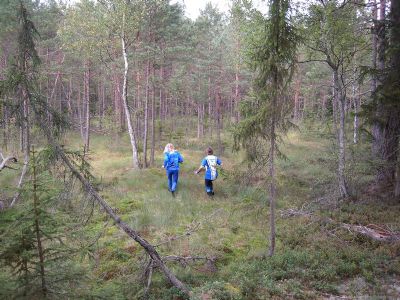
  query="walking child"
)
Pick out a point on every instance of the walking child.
point(209, 164)
point(172, 159)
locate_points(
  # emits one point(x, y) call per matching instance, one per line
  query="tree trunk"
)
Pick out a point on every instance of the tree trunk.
point(135, 160)
point(377, 130)
point(340, 99)
point(146, 114)
point(37, 225)
point(395, 40)
point(87, 104)
point(296, 98)
point(218, 121)
point(80, 112)
point(386, 128)
point(356, 105)
point(153, 115)
point(271, 171)
point(374, 44)
point(198, 121)
point(26, 143)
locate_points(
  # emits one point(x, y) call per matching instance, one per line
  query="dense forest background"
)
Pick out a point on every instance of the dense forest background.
point(302, 104)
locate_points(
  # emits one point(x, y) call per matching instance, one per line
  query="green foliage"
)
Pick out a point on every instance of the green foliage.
point(34, 237)
point(271, 55)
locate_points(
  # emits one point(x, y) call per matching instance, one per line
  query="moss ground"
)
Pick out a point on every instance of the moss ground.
point(313, 260)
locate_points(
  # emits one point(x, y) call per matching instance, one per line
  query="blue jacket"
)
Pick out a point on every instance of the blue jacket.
point(172, 160)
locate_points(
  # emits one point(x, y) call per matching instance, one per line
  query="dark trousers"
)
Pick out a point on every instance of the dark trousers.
point(209, 186)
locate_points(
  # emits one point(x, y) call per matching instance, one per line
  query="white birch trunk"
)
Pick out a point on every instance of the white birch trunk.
point(135, 160)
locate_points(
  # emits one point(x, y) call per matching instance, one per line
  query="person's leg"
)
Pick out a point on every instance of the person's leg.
point(175, 176)
point(209, 186)
point(169, 175)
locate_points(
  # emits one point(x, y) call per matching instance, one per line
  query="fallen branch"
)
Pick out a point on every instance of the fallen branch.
point(372, 231)
point(192, 228)
point(148, 275)
point(5, 160)
point(294, 213)
point(91, 191)
point(185, 260)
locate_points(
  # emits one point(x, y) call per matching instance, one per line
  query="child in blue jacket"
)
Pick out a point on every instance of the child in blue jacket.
point(209, 163)
point(172, 159)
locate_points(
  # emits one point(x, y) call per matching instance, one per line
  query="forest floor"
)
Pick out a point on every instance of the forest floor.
point(315, 258)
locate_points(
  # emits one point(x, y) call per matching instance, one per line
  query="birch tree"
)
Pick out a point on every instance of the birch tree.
point(334, 38)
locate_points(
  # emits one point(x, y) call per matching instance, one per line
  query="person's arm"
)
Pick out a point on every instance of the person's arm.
point(199, 170)
point(202, 167)
point(180, 158)
point(219, 162)
point(165, 160)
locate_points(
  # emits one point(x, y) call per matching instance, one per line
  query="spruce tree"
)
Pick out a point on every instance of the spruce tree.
point(265, 113)
point(34, 237)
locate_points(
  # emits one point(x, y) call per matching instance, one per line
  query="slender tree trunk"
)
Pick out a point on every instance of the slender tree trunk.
point(218, 120)
point(26, 143)
point(146, 114)
point(335, 106)
point(87, 103)
point(397, 184)
point(135, 160)
point(376, 127)
point(374, 44)
point(356, 105)
point(37, 225)
point(198, 121)
point(80, 112)
point(340, 100)
point(5, 127)
point(153, 115)
point(271, 171)
point(237, 78)
point(296, 98)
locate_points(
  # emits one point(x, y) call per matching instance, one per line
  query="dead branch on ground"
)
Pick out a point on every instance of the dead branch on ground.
point(191, 228)
point(372, 231)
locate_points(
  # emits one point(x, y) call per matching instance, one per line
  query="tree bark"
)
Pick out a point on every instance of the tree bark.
point(87, 104)
point(153, 115)
point(37, 225)
point(26, 143)
point(374, 44)
point(272, 185)
point(395, 40)
point(340, 99)
point(146, 114)
point(135, 160)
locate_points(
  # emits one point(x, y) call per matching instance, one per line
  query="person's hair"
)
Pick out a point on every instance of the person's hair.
point(169, 148)
point(209, 151)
